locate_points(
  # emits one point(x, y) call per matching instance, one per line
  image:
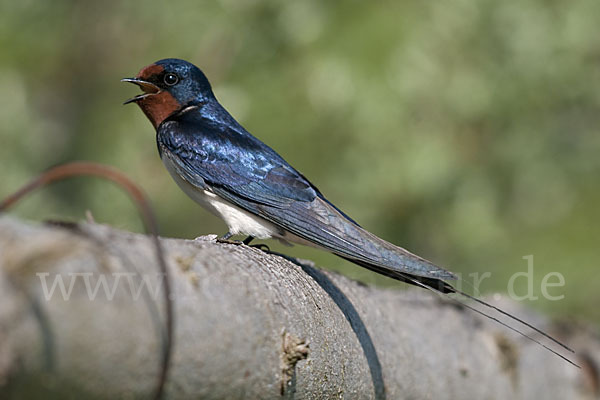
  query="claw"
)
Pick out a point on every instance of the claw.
point(226, 238)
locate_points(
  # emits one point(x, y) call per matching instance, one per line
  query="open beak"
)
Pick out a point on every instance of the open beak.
point(149, 89)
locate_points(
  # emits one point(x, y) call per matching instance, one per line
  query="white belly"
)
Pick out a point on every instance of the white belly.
point(238, 221)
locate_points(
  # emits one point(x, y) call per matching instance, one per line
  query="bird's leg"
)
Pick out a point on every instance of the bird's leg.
point(226, 238)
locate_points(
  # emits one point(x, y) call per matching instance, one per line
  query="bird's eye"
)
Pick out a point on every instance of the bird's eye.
point(171, 79)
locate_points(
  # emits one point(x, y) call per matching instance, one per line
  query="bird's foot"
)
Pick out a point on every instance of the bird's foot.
point(230, 241)
point(226, 238)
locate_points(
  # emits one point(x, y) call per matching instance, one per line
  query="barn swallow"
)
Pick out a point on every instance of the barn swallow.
point(220, 165)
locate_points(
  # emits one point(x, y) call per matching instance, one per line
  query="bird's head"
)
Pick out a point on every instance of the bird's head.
point(169, 86)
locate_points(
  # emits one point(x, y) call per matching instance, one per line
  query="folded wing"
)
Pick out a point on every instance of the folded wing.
point(246, 172)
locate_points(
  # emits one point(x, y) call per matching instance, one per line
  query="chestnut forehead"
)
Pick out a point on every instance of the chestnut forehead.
point(150, 70)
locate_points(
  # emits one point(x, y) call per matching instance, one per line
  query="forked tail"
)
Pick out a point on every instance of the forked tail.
point(444, 289)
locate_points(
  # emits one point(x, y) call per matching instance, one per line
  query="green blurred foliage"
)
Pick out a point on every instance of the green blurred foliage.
point(466, 131)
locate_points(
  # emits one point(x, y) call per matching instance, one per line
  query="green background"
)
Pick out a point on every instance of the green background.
point(465, 131)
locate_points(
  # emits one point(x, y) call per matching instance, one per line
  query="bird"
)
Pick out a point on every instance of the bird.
point(240, 179)
point(237, 177)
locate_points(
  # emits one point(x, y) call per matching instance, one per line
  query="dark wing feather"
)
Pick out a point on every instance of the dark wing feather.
point(233, 162)
point(320, 223)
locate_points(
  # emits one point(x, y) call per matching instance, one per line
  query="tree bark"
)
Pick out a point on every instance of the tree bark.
point(248, 325)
